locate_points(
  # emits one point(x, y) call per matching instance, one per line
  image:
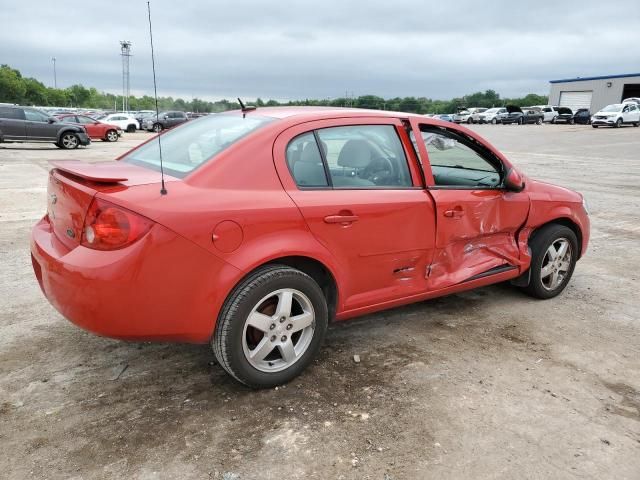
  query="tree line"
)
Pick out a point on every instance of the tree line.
point(14, 88)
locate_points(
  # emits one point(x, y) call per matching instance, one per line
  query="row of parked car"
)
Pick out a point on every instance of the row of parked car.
point(615, 115)
point(67, 129)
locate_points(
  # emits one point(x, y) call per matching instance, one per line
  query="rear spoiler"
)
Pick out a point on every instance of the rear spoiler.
point(103, 172)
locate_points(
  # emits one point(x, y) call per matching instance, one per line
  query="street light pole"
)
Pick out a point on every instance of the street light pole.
point(55, 76)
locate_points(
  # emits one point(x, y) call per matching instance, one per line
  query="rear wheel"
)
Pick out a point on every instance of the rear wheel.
point(131, 128)
point(111, 136)
point(539, 121)
point(271, 327)
point(554, 252)
point(636, 124)
point(68, 141)
point(469, 120)
point(594, 126)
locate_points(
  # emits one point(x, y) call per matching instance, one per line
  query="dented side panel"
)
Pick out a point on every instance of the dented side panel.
point(476, 231)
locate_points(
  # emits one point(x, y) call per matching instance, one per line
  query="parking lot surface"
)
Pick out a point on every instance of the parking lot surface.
point(485, 384)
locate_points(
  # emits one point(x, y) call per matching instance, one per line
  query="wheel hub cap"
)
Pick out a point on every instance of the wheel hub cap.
point(556, 264)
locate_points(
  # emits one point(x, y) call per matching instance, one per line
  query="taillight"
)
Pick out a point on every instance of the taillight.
point(110, 227)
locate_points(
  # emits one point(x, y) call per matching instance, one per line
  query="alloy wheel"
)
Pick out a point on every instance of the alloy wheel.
point(279, 330)
point(556, 264)
point(112, 136)
point(69, 141)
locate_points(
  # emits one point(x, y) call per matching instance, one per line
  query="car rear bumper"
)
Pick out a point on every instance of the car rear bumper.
point(162, 287)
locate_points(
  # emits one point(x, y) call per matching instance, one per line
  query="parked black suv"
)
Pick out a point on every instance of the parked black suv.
point(163, 121)
point(25, 124)
point(522, 116)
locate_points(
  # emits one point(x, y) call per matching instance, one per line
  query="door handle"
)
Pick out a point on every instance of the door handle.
point(344, 219)
point(455, 213)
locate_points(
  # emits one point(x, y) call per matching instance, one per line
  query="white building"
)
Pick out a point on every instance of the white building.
point(594, 92)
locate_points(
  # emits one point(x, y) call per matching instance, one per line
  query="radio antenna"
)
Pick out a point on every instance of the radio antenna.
point(163, 190)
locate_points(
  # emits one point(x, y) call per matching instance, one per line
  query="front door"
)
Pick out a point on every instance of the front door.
point(358, 188)
point(477, 219)
point(39, 126)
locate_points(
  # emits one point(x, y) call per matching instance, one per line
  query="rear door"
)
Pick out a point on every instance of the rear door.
point(357, 185)
point(12, 123)
point(476, 218)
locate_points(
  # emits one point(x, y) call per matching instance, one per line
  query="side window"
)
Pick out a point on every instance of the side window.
point(85, 120)
point(305, 162)
point(362, 156)
point(454, 163)
point(11, 113)
point(70, 119)
point(35, 116)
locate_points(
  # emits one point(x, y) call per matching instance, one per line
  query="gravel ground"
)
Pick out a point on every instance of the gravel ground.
point(485, 384)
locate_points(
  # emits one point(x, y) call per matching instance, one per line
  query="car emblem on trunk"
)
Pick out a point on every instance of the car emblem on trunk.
point(70, 233)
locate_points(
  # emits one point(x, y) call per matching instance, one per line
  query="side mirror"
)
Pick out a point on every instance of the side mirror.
point(513, 181)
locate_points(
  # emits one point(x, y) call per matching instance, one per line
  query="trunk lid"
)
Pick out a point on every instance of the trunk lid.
point(73, 184)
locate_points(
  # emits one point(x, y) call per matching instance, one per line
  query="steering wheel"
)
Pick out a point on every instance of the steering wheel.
point(380, 171)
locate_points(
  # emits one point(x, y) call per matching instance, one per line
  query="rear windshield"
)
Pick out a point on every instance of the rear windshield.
point(195, 142)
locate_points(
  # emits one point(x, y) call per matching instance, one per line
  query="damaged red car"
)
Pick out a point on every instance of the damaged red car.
point(276, 221)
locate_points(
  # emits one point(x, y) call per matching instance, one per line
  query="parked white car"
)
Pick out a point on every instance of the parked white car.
point(493, 115)
point(469, 115)
point(550, 113)
point(125, 121)
point(617, 115)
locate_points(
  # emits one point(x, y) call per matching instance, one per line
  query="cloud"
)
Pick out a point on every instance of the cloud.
point(300, 49)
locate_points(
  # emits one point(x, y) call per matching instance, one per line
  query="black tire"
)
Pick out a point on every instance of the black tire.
point(618, 123)
point(157, 127)
point(540, 242)
point(68, 141)
point(571, 121)
point(494, 121)
point(227, 341)
point(469, 120)
point(521, 121)
point(539, 121)
point(553, 120)
point(636, 124)
point(131, 128)
point(594, 126)
point(111, 136)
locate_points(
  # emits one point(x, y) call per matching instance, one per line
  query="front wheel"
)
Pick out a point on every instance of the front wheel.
point(68, 141)
point(618, 123)
point(271, 327)
point(111, 136)
point(554, 252)
point(494, 121)
point(157, 127)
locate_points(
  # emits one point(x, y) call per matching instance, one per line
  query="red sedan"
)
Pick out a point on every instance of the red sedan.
point(95, 129)
point(277, 221)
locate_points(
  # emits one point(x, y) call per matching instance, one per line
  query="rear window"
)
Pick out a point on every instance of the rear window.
point(13, 113)
point(194, 143)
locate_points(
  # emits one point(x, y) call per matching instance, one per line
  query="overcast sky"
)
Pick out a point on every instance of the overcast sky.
point(287, 49)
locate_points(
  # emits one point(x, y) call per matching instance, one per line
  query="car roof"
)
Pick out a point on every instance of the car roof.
point(315, 113)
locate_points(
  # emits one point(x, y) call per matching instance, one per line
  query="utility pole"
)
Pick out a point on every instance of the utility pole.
point(55, 76)
point(125, 52)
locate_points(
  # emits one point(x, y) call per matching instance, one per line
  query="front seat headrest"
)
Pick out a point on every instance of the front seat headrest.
point(355, 153)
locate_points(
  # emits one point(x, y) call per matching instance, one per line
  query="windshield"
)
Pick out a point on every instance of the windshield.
point(492, 110)
point(612, 108)
point(194, 143)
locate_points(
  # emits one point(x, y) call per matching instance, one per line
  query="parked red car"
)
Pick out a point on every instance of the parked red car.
point(279, 220)
point(95, 129)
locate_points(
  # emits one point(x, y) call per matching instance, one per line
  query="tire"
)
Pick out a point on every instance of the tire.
point(470, 120)
point(636, 124)
point(494, 121)
point(594, 126)
point(260, 296)
point(572, 121)
point(545, 273)
point(618, 123)
point(69, 141)
point(521, 121)
point(539, 121)
point(131, 128)
point(111, 136)
point(157, 127)
point(553, 120)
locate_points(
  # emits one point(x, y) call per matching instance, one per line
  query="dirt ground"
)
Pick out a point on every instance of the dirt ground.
point(485, 384)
